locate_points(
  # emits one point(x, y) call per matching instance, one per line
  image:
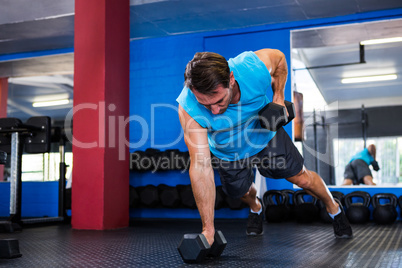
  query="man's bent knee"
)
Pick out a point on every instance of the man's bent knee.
point(252, 191)
point(302, 179)
point(347, 182)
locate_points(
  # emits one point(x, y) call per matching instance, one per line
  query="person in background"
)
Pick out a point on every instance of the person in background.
point(357, 171)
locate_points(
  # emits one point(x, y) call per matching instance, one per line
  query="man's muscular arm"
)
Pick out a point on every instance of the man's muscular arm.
point(201, 172)
point(372, 150)
point(275, 61)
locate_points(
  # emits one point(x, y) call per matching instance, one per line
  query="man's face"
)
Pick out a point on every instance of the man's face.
point(217, 102)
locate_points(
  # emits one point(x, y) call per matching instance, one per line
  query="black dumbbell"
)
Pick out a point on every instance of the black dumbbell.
point(134, 197)
point(154, 155)
point(375, 165)
point(140, 161)
point(186, 196)
point(171, 156)
point(169, 196)
point(220, 201)
point(234, 203)
point(194, 248)
point(149, 196)
point(182, 160)
point(273, 116)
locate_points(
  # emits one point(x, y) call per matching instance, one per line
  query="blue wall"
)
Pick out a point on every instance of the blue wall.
point(39, 199)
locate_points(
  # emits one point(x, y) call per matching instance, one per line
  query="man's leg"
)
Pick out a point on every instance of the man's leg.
point(312, 183)
point(255, 216)
point(347, 182)
point(281, 159)
point(250, 198)
point(349, 175)
point(363, 172)
point(368, 180)
point(237, 182)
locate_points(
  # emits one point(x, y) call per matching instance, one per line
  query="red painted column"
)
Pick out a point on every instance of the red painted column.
point(101, 101)
point(3, 110)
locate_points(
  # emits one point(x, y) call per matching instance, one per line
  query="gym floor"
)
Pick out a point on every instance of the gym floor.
point(152, 243)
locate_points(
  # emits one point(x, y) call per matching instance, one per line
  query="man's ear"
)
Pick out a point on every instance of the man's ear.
point(232, 79)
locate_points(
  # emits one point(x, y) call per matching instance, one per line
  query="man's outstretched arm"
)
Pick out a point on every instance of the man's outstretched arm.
point(201, 172)
point(275, 61)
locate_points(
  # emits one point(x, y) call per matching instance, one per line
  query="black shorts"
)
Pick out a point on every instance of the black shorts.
point(356, 171)
point(279, 159)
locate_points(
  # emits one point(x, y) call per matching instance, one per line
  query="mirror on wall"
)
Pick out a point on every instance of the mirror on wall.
point(41, 95)
point(45, 95)
point(347, 81)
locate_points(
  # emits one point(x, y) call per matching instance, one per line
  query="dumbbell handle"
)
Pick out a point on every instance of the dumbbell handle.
point(290, 107)
point(199, 249)
point(375, 165)
point(274, 116)
point(218, 246)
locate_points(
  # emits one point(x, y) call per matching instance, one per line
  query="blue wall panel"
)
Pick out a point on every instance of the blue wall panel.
point(4, 199)
point(39, 199)
point(156, 80)
point(182, 213)
point(170, 178)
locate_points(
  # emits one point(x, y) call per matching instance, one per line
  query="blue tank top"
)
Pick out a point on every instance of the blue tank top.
point(363, 155)
point(237, 133)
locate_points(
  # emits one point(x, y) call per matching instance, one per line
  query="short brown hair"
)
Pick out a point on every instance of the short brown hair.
point(206, 71)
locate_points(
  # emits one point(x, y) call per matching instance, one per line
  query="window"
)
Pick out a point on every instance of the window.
point(44, 167)
point(32, 167)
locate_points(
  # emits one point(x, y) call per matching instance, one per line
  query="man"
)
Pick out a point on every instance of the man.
point(218, 110)
point(357, 171)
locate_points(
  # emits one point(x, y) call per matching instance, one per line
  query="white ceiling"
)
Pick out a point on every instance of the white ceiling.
point(340, 45)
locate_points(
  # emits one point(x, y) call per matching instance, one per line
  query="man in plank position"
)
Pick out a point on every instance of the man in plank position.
point(218, 110)
point(357, 171)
